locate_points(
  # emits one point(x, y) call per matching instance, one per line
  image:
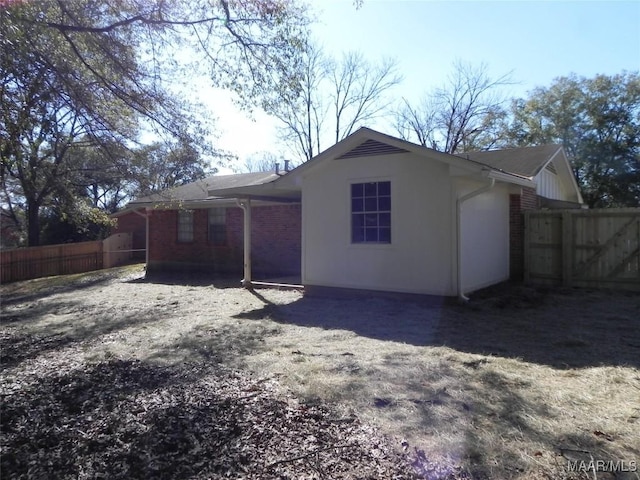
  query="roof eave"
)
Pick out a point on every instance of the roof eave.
point(176, 203)
point(272, 190)
point(511, 178)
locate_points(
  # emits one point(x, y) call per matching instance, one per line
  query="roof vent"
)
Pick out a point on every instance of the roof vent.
point(551, 167)
point(373, 147)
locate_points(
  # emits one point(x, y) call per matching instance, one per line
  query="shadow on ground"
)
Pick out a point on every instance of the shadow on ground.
point(491, 419)
point(189, 279)
point(131, 419)
point(565, 329)
point(41, 288)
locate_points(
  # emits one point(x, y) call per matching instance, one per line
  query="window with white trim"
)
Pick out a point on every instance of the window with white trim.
point(185, 226)
point(218, 226)
point(371, 212)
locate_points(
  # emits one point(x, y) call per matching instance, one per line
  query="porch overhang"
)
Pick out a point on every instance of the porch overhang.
point(244, 196)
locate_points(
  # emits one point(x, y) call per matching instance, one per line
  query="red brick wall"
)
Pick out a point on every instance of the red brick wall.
point(275, 242)
point(276, 239)
point(518, 203)
point(530, 201)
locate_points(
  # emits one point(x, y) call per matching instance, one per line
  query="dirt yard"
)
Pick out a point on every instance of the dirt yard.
point(112, 374)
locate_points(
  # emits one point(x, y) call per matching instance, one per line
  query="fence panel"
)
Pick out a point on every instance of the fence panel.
point(585, 248)
point(35, 262)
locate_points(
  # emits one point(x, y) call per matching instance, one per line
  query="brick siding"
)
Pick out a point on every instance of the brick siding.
point(518, 203)
point(275, 242)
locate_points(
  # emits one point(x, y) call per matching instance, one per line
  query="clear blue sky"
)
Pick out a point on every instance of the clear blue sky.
point(535, 40)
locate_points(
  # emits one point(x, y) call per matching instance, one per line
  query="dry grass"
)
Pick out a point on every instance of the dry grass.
point(499, 389)
point(511, 386)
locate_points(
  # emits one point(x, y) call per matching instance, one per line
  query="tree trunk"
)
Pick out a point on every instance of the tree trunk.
point(33, 223)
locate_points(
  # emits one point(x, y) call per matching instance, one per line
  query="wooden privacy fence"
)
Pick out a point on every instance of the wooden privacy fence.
point(583, 248)
point(36, 262)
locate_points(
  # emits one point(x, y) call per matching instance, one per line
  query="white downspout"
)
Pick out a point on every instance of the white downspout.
point(245, 205)
point(459, 202)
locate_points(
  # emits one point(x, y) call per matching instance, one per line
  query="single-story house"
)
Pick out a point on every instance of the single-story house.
point(188, 229)
point(373, 212)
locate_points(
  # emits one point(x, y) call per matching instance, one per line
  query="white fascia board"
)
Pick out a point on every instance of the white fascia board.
point(569, 176)
point(551, 158)
point(565, 171)
point(509, 178)
point(175, 204)
point(487, 172)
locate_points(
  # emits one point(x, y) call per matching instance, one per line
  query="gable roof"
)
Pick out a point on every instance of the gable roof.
point(367, 142)
point(525, 161)
point(516, 165)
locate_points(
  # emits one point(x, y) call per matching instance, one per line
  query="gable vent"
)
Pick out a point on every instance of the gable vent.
point(373, 147)
point(551, 167)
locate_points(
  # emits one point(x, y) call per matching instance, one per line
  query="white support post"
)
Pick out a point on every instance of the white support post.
point(246, 208)
point(146, 246)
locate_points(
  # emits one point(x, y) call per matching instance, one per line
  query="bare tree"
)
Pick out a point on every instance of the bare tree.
point(461, 115)
point(358, 91)
point(335, 97)
point(260, 162)
point(303, 116)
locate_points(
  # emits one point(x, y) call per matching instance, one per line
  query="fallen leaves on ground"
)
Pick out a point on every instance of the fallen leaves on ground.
point(132, 419)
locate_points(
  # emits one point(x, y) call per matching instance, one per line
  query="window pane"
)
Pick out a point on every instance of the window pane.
point(371, 220)
point(370, 189)
point(185, 225)
point(370, 204)
point(385, 235)
point(217, 234)
point(384, 188)
point(384, 204)
point(357, 234)
point(217, 226)
point(357, 205)
point(384, 219)
point(357, 190)
point(217, 216)
point(357, 220)
point(371, 235)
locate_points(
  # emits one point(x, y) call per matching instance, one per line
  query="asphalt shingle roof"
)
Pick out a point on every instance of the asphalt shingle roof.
point(524, 161)
point(199, 189)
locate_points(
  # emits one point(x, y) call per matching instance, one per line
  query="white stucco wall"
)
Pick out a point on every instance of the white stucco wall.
point(485, 238)
point(419, 258)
